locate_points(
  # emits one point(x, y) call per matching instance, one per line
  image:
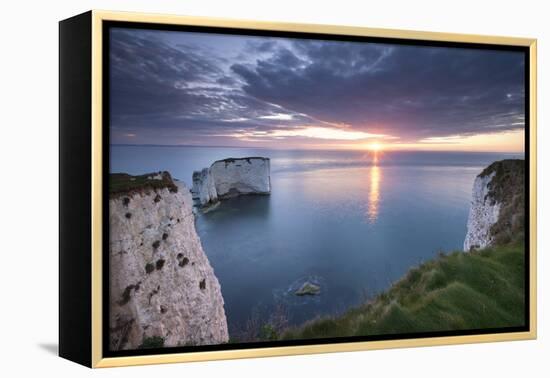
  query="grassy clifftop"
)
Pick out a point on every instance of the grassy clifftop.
point(482, 289)
point(125, 184)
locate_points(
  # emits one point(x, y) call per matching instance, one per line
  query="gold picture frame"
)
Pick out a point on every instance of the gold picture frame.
point(94, 26)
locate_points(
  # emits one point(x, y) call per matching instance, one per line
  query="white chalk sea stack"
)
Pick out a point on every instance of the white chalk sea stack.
point(162, 286)
point(232, 177)
point(484, 212)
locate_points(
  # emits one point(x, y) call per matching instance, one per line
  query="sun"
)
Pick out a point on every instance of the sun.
point(375, 146)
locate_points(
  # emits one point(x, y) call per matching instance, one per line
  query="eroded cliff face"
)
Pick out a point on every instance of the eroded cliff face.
point(232, 177)
point(497, 208)
point(204, 189)
point(483, 215)
point(162, 286)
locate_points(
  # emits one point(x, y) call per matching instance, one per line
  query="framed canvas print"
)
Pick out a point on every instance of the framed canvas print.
point(235, 189)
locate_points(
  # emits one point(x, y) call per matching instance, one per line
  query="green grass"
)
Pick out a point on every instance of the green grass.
point(459, 291)
point(125, 184)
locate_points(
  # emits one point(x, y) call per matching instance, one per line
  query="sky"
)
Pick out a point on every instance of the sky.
point(182, 88)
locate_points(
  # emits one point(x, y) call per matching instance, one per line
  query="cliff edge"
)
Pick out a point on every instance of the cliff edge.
point(497, 212)
point(163, 291)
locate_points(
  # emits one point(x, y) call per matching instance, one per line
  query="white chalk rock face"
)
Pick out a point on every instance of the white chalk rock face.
point(162, 287)
point(204, 188)
point(233, 177)
point(484, 213)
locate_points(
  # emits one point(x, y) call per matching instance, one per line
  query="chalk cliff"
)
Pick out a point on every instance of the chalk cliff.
point(232, 177)
point(163, 291)
point(497, 207)
point(204, 189)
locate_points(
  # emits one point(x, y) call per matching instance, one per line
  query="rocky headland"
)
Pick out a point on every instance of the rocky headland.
point(163, 291)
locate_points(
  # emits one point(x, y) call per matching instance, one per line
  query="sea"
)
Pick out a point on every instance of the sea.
point(352, 222)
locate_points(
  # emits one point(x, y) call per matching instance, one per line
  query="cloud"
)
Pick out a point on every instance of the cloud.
point(170, 93)
point(313, 132)
point(174, 87)
point(409, 91)
point(279, 116)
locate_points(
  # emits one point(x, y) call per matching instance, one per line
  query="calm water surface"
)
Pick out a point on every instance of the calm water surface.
point(353, 222)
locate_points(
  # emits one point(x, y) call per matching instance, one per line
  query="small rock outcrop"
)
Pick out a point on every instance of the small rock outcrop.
point(498, 205)
point(232, 177)
point(163, 291)
point(308, 288)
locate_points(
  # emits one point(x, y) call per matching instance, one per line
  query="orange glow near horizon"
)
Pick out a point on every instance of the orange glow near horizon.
point(316, 137)
point(509, 141)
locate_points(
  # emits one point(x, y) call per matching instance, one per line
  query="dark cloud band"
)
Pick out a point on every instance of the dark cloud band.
point(174, 88)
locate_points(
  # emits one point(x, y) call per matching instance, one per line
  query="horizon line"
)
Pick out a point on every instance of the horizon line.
point(304, 149)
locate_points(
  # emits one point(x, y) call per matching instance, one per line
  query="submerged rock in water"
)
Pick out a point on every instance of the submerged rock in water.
point(308, 288)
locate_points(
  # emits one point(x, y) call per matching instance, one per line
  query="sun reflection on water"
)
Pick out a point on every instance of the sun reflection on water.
point(375, 175)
